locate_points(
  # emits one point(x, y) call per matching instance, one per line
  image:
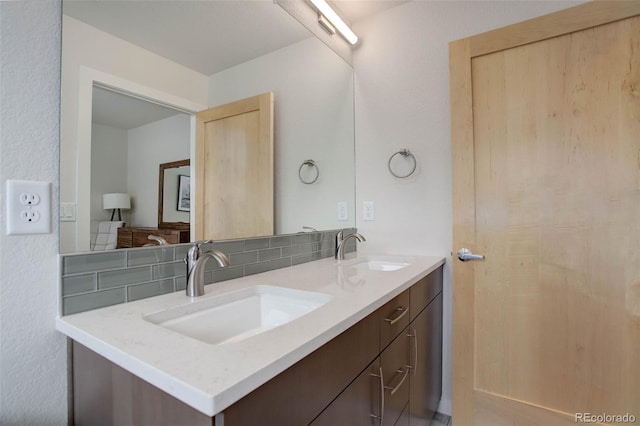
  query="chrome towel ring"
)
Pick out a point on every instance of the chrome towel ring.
point(312, 164)
point(404, 153)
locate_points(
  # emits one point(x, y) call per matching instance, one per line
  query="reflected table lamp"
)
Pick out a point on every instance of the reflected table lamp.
point(116, 201)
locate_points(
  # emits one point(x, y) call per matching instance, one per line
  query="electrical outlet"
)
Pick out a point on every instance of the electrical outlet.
point(343, 213)
point(367, 210)
point(30, 216)
point(29, 199)
point(28, 207)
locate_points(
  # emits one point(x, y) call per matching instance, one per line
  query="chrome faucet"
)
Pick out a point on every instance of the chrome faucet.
point(161, 241)
point(341, 242)
point(196, 261)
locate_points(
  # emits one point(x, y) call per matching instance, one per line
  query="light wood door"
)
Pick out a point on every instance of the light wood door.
point(546, 185)
point(234, 195)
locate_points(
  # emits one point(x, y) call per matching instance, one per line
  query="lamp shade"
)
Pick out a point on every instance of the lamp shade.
point(116, 201)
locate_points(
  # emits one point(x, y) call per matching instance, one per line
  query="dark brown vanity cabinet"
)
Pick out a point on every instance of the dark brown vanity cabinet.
point(384, 370)
point(398, 384)
point(408, 370)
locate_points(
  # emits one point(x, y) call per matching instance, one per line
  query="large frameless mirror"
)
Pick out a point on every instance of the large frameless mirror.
point(135, 73)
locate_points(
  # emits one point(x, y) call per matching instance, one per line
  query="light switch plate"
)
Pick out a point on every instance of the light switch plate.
point(28, 207)
point(368, 210)
point(67, 212)
point(342, 211)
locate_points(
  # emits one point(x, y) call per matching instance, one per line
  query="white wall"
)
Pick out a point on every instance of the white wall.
point(33, 358)
point(313, 92)
point(88, 47)
point(402, 101)
point(163, 141)
point(108, 170)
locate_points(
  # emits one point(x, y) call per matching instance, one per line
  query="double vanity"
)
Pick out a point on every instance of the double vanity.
point(354, 341)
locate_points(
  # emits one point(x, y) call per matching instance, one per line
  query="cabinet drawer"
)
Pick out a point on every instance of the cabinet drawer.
point(395, 370)
point(358, 403)
point(393, 317)
point(425, 290)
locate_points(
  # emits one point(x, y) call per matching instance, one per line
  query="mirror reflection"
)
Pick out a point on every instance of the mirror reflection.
point(160, 60)
point(174, 195)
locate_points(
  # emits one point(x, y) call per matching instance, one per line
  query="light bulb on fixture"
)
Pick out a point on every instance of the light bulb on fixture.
point(326, 10)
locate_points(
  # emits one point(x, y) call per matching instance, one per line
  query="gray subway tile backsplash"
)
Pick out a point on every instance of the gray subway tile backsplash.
point(150, 256)
point(256, 244)
point(154, 288)
point(79, 284)
point(169, 270)
point(257, 268)
point(95, 280)
point(123, 277)
point(229, 273)
point(93, 262)
point(298, 249)
point(269, 254)
point(243, 258)
point(95, 300)
point(280, 241)
point(229, 247)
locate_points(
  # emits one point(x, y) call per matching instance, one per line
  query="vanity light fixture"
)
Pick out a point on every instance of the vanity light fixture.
point(326, 10)
point(116, 201)
point(324, 23)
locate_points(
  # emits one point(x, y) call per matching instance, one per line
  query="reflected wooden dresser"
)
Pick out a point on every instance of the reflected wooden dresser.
point(138, 237)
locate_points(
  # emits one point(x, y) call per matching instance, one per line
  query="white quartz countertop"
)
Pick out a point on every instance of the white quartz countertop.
point(210, 377)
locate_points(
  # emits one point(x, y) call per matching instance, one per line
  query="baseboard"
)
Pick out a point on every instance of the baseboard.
point(444, 407)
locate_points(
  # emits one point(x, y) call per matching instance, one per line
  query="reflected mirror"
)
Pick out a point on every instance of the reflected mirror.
point(128, 58)
point(174, 195)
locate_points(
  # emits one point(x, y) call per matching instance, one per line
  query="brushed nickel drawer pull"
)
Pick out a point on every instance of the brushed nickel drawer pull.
point(403, 312)
point(395, 388)
point(381, 416)
point(414, 334)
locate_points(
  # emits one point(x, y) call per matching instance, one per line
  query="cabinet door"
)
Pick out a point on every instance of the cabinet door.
point(404, 417)
point(300, 393)
point(426, 361)
point(358, 404)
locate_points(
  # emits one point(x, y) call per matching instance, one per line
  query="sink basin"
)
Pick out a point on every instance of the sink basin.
point(238, 315)
point(380, 263)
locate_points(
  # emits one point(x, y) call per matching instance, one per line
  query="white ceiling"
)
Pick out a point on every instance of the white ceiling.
point(206, 36)
point(125, 112)
point(357, 10)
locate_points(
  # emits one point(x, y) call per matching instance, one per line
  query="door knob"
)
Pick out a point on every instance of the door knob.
point(465, 255)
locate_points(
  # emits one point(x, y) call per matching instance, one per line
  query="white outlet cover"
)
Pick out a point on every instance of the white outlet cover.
point(24, 217)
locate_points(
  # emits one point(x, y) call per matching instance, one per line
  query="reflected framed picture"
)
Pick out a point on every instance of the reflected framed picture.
point(184, 193)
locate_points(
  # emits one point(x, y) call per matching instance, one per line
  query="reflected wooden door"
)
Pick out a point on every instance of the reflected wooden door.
point(546, 160)
point(234, 195)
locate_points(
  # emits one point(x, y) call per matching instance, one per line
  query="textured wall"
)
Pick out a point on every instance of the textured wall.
point(402, 101)
point(32, 353)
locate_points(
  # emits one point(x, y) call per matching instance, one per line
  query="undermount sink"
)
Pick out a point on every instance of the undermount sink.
point(238, 315)
point(380, 263)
